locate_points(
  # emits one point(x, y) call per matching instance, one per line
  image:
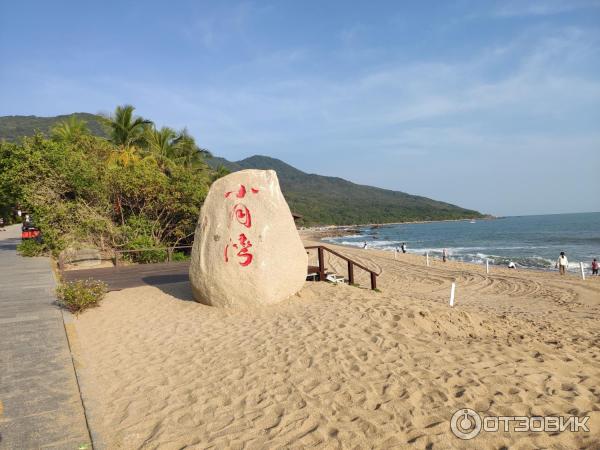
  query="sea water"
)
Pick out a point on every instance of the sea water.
point(528, 241)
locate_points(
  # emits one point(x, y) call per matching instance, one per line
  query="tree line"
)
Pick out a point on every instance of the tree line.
point(142, 187)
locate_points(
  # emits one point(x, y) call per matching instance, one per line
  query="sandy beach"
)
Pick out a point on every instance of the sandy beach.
point(340, 366)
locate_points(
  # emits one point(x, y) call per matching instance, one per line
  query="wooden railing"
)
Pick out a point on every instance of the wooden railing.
point(321, 249)
point(117, 253)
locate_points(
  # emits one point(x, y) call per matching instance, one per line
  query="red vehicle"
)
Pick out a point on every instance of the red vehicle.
point(30, 232)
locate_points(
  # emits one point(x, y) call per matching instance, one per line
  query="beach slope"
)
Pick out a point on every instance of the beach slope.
point(339, 366)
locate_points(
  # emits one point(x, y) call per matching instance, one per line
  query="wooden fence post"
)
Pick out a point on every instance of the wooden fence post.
point(350, 272)
point(321, 264)
point(373, 281)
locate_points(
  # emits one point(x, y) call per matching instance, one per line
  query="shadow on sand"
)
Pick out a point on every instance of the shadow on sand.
point(177, 286)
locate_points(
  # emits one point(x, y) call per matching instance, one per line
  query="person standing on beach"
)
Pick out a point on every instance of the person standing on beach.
point(594, 267)
point(562, 263)
point(403, 247)
point(365, 245)
point(444, 255)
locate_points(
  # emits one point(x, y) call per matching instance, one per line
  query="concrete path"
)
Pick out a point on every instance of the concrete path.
point(40, 405)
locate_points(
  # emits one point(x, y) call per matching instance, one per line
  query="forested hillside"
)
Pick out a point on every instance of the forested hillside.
point(331, 200)
point(14, 127)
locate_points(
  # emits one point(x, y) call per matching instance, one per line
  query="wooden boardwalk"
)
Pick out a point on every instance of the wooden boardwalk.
point(123, 277)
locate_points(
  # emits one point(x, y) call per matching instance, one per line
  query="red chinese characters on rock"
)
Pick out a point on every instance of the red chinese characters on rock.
point(243, 216)
point(242, 250)
point(241, 193)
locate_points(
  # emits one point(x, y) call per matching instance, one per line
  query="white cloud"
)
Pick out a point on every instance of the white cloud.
point(349, 35)
point(211, 28)
point(529, 99)
point(516, 8)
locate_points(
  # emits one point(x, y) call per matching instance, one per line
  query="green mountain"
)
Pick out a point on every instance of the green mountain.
point(319, 199)
point(14, 127)
point(331, 200)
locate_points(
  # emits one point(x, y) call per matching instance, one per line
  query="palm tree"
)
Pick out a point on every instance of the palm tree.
point(188, 153)
point(161, 145)
point(219, 172)
point(169, 148)
point(127, 132)
point(69, 130)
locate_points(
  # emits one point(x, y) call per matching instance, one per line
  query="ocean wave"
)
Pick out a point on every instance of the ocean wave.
point(382, 242)
point(334, 240)
point(350, 243)
point(478, 248)
point(477, 254)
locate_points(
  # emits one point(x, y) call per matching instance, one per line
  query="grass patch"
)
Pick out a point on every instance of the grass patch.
point(77, 296)
point(29, 247)
point(180, 256)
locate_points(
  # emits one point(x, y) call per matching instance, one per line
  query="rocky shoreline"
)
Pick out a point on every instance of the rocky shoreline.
point(329, 231)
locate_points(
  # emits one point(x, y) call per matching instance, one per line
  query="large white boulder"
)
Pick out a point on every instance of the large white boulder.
point(247, 250)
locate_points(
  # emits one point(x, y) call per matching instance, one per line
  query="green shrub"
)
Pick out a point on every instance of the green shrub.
point(87, 191)
point(29, 247)
point(82, 294)
point(146, 256)
point(179, 256)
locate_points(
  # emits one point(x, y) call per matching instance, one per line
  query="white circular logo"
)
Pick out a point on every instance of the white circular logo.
point(465, 424)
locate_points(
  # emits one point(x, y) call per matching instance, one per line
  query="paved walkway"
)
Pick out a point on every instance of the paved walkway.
point(40, 406)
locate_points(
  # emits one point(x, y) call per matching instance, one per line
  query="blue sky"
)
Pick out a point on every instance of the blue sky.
point(490, 105)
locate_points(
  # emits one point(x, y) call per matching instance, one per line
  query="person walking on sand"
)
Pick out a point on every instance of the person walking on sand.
point(594, 267)
point(444, 255)
point(403, 247)
point(365, 245)
point(562, 263)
